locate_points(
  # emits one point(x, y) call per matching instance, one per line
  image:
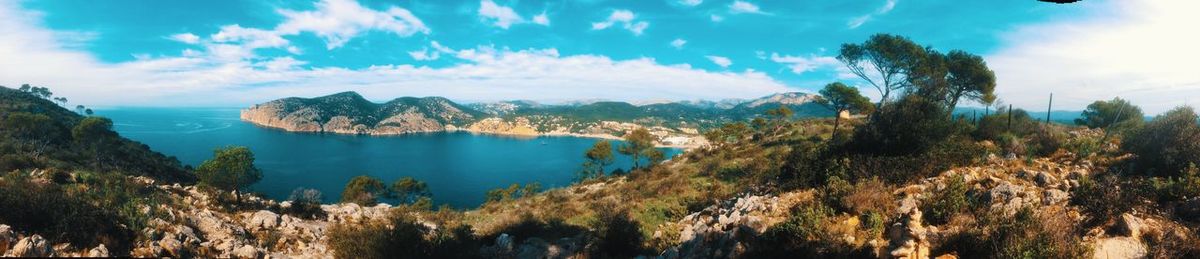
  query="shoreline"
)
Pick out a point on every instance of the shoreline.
point(453, 128)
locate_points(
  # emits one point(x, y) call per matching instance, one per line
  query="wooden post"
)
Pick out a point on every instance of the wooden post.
point(1048, 105)
point(1010, 117)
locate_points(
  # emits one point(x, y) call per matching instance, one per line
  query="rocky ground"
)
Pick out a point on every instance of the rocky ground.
point(191, 227)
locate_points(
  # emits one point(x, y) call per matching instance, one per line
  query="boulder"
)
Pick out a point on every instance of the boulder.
point(32, 246)
point(263, 219)
point(7, 237)
point(1044, 179)
point(246, 251)
point(1119, 247)
point(99, 251)
point(1130, 226)
point(1054, 196)
point(171, 246)
point(504, 242)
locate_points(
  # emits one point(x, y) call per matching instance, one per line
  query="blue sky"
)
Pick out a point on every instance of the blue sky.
point(234, 53)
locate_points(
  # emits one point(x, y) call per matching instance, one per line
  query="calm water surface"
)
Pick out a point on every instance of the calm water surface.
point(459, 167)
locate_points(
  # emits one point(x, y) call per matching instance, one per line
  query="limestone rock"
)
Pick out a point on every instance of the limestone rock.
point(32, 246)
point(1119, 247)
point(7, 237)
point(1130, 226)
point(262, 219)
point(99, 251)
point(1054, 196)
point(908, 237)
point(171, 246)
point(246, 251)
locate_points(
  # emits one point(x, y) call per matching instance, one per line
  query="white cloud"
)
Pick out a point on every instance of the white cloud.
point(691, 2)
point(199, 78)
point(541, 19)
point(1141, 51)
point(800, 65)
point(250, 37)
point(678, 43)
point(624, 17)
point(186, 38)
point(425, 53)
point(338, 21)
point(501, 16)
point(716, 18)
point(720, 61)
point(739, 6)
point(860, 20)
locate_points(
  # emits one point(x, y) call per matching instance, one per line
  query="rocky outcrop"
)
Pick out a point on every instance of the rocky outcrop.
point(908, 237)
point(32, 246)
point(519, 127)
point(718, 230)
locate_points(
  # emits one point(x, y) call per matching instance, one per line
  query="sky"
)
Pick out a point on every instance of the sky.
point(236, 53)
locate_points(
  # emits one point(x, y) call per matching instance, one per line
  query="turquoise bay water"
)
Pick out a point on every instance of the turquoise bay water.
point(459, 167)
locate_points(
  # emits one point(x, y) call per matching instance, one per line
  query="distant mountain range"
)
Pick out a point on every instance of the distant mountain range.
point(350, 113)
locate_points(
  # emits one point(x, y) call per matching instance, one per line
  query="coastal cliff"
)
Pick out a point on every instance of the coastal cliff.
point(349, 113)
point(675, 124)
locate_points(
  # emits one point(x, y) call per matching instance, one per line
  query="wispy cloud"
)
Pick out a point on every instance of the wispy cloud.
point(185, 38)
point(724, 62)
point(338, 21)
point(625, 18)
point(678, 43)
point(739, 7)
point(800, 64)
point(691, 2)
point(860, 20)
point(542, 19)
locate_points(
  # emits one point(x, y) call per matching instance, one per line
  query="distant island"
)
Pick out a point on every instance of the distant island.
point(674, 123)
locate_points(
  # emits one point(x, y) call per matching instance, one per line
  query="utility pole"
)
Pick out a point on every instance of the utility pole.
point(1048, 105)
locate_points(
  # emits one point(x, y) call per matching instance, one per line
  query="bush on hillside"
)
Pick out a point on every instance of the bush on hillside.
point(912, 125)
point(1048, 233)
point(400, 236)
point(1103, 197)
point(947, 202)
point(803, 235)
point(994, 126)
point(617, 235)
point(305, 203)
point(1167, 144)
point(1116, 113)
point(55, 213)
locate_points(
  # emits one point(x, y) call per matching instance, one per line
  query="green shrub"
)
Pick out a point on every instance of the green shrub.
point(1050, 234)
point(912, 125)
point(617, 235)
point(1116, 112)
point(364, 190)
point(803, 235)
point(945, 203)
point(995, 126)
point(1103, 198)
point(1172, 242)
point(400, 236)
point(1045, 142)
point(57, 214)
point(306, 203)
point(1185, 186)
point(1167, 144)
